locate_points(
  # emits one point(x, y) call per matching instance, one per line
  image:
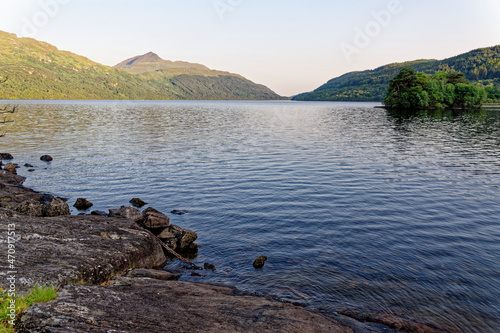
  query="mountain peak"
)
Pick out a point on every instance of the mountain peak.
point(149, 57)
point(152, 62)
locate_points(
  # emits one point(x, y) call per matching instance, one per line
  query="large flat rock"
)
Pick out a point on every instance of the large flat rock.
point(148, 305)
point(73, 249)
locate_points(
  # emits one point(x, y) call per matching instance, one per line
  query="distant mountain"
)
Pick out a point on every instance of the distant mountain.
point(481, 66)
point(38, 70)
point(195, 81)
point(152, 62)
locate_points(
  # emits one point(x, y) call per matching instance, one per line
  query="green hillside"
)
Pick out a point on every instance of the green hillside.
point(38, 70)
point(479, 66)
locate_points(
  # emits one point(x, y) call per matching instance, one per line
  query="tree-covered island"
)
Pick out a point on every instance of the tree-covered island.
point(442, 90)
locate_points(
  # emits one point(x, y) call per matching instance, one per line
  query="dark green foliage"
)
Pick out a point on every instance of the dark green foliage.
point(409, 90)
point(479, 66)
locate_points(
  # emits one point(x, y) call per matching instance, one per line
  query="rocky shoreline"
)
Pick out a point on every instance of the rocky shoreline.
point(104, 269)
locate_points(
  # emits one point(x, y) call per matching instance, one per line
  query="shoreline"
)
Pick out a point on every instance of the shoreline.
point(96, 252)
point(96, 262)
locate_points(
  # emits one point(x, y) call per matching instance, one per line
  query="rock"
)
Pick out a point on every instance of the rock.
point(150, 305)
point(184, 237)
point(10, 167)
point(179, 212)
point(46, 158)
point(44, 207)
point(131, 213)
point(153, 274)
point(82, 204)
point(32, 207)
point(70, 249)
point(136, 202)
point(10, 178)
point(259, 262)
point(31, 170)
point(28, 165)
point(98, 213)
point(168, 238)
point(6, 156)
point(392, 320)
point(153, 219)
point(209, 266)
point(57, 207)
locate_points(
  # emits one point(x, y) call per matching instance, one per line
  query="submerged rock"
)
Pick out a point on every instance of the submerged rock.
point(136, 202)
point(82, 204)
point(46, 158)
point(179, 212)
point(259, 262)
point(208, 266)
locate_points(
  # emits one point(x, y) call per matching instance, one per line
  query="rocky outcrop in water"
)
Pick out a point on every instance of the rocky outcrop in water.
point(137, 202)
point(82, 204)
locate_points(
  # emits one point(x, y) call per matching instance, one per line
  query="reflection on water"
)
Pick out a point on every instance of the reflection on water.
point(354, 206)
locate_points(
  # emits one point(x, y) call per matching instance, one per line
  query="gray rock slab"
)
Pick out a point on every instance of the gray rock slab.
point(67, 249)
point(146, 305)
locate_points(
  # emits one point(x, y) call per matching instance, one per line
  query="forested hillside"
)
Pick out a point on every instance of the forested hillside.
point(37, 70)
point(480, 66)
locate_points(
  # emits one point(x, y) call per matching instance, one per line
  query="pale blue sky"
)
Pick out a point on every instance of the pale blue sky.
point(290, 46)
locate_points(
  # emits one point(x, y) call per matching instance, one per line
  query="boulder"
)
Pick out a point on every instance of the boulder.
point(153, 219)
point(31, 207)
point(6, 156)
point(136, 202)
point(178, 239)
point(82, 204)
point(10, 167)
point(131, 213)
point(46, 158)
point(57, 207)
point(259, 262)
point(44, 207)
point(168, 238)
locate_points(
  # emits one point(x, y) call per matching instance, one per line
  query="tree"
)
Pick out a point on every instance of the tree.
point(442, 90)
point(407, 90)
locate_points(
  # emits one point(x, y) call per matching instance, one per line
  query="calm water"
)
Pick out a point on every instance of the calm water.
point(354, 206)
